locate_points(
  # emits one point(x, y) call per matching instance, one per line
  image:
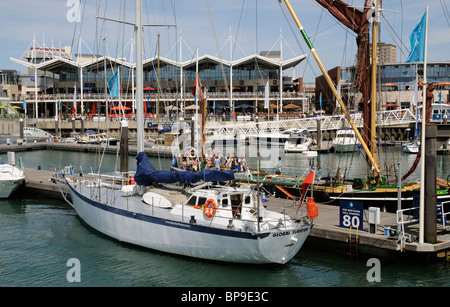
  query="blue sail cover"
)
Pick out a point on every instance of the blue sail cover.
point(146, 174)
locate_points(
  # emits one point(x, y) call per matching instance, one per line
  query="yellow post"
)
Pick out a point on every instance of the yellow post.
point(373, 99)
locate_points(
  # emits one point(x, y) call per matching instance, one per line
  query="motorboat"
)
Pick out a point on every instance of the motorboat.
point(298, 142)
point(346, 141)
point(96, 138)
point(36, 133)
point(274, 138)
point(10, 179)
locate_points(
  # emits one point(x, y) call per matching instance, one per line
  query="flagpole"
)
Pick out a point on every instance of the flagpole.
point(196, 84)
point(422, 141)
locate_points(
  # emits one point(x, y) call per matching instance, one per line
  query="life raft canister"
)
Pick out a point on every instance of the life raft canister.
point(210, 207)
point(311, 207)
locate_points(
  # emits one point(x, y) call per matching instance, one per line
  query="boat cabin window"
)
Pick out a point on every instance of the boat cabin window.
point(224, 200)
point(192, 201)
point(201, 201)
point(236, 204)
point(248, 200)
point(346, 135)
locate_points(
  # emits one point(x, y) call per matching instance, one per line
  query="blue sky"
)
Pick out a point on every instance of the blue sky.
point(255, 25)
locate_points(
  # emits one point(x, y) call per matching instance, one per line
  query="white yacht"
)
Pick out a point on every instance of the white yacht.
point(35, 133)
point(346, 141)
point(96, 138)
point(272, 138)
point(298, 142)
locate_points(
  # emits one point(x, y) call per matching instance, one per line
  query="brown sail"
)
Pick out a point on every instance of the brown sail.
point(357, 21)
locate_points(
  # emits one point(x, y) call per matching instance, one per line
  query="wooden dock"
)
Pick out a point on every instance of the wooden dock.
point(326, 233)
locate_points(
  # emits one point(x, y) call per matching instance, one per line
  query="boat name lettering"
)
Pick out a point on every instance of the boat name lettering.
point(281, 234)
point(299, 230)
point(177, 224)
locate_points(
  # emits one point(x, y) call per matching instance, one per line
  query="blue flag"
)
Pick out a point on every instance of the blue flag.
point(320, 101)
point(440, 97)
point(417, 39)
point(113, 83)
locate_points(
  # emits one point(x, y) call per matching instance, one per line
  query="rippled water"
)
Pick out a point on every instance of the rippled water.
point(38, 236)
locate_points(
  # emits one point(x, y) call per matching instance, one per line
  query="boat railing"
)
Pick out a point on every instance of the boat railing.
point(401, 222)
point(117, 179)
point(442, 212)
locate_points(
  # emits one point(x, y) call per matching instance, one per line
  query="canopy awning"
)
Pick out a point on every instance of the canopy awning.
point(390, 105)
point(121, 108)
point(390, 84)
point(291, 106)
point(192, 107)
point(244, 106)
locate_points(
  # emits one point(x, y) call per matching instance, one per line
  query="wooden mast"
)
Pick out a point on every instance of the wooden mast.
point(373, 98)
point(333, 88)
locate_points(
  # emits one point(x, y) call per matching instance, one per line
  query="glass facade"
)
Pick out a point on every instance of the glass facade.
point(404, 74)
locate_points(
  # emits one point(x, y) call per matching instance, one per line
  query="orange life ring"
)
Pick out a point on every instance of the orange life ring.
point(210, 207)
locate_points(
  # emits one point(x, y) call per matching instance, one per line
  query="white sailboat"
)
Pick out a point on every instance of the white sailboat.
point(411, 147)
point(216, 223)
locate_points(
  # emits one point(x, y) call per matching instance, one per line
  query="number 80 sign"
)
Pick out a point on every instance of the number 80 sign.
point(351, 214)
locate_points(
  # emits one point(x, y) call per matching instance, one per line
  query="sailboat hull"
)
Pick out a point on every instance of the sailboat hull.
point(184, 238)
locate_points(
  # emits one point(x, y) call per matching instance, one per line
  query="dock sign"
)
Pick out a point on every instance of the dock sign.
point(351, 214)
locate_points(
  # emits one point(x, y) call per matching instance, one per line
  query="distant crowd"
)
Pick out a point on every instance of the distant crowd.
point(192, 162)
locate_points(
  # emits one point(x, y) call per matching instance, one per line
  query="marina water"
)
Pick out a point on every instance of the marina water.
point(38, 237)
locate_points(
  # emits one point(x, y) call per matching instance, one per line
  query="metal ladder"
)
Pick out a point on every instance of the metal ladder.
point(353, 241)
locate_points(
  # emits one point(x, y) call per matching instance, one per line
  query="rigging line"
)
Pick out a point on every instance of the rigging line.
point(445, 11)
point(256, 26)
point(401, 26)
point(296, 37)
point(238, 28)
point(393, 32)
point(224, 77)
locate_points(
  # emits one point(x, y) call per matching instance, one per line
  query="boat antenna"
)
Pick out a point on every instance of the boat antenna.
point(333, 87)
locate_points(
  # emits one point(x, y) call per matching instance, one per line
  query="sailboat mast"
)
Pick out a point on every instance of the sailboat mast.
point(333, 88)
point(373, 98)
point(422, 141)
point(139, 79)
